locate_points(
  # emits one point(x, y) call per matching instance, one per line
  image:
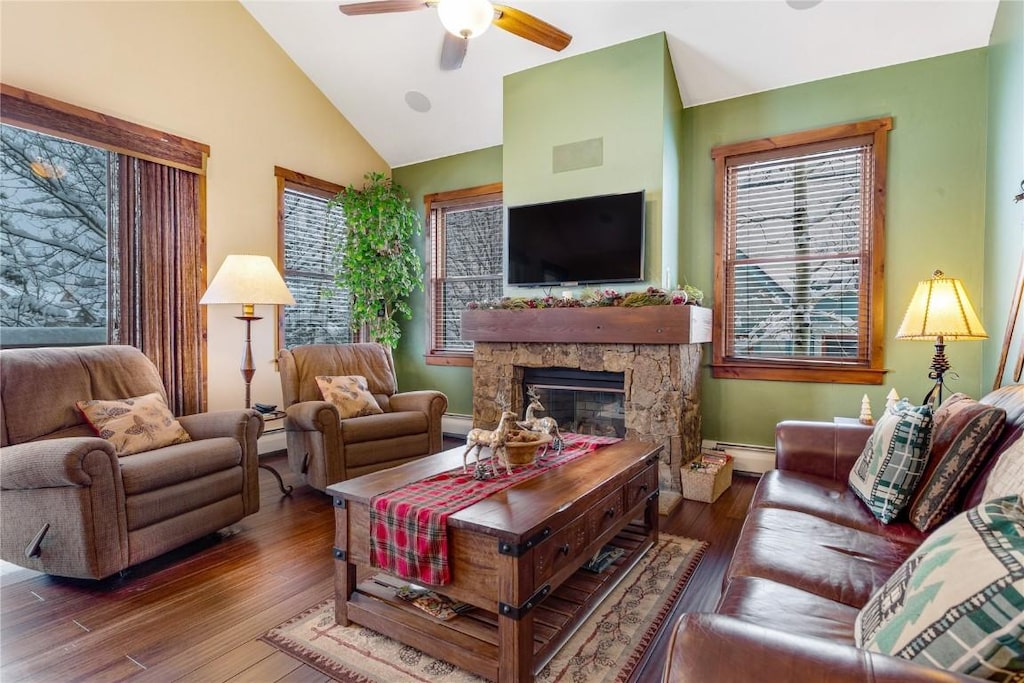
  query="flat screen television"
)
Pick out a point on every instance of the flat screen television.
point(577, 241)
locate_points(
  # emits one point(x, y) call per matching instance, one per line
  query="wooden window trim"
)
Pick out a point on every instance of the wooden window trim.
point(777, 147)
point(466, 197)
point(46, 115)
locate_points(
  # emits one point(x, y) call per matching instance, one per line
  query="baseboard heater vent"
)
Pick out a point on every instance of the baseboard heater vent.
point(745, 457)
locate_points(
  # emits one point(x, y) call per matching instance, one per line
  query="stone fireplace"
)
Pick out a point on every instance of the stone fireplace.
point(656, 349)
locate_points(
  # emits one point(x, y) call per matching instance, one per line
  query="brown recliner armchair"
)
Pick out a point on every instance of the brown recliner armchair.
point(70, 506)
point(325, 449)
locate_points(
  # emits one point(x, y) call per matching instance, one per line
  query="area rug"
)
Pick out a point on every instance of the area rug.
point(607, 647)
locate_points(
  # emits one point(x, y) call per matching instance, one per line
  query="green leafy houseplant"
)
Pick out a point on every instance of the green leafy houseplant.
point(378, 264)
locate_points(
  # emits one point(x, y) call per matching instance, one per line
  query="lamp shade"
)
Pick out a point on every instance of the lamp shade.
point(465, 18)
point(940, 308)
point(247, 279)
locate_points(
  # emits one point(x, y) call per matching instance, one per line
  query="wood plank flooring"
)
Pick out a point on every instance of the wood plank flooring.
point(196, 614)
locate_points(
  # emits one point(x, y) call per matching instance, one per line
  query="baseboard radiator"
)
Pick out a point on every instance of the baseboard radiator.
point(455, 425)
point(745, 457)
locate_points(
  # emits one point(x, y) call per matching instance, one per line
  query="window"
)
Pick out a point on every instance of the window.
point(53, 239)
point(466, 228)
point(799, 243)
point(102, 237)
point(312, 237)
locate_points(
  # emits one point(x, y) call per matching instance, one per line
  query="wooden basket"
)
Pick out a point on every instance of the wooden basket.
point(524, 452)
point(703, 484)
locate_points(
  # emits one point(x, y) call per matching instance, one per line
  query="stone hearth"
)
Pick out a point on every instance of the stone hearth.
point(656, 347)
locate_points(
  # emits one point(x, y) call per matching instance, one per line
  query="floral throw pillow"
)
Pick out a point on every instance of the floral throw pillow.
point(349, 394)
point(890, 466)
point(134, 425)
point(956, 603)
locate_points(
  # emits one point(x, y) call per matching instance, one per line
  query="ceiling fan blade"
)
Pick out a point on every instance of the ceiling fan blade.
point(382, 6)
point(530, 27)
point(453, 51)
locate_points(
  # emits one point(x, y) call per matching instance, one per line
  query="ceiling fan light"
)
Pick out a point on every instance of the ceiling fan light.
point(465, 18)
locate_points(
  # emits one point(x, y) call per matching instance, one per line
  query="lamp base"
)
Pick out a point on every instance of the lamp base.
point(939, 367)
point(248, 368)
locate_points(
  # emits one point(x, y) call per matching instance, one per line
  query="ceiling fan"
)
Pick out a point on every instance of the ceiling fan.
point(465, 19)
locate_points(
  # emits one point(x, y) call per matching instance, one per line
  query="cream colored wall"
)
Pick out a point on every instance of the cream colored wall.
point(206, 71)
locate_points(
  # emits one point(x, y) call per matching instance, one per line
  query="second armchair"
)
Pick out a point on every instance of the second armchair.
point(323, 446)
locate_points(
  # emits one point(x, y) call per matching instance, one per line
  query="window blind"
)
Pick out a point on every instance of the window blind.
point(467, 267)
point(313, 239)
point(797, 241)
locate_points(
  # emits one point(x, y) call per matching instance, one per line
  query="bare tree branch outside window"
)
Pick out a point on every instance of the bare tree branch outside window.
point(53, 239)
point(797, 264)
point(473, 267)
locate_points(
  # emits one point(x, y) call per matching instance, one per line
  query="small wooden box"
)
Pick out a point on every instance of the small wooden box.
point(705, 485)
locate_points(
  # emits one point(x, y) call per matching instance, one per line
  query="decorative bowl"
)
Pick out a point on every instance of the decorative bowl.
point(524, 452)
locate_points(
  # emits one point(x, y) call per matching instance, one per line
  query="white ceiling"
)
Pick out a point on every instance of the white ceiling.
point(720, 49)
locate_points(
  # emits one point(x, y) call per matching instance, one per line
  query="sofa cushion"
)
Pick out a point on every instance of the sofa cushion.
point(829, 499)
point(383, 426)
point(776, 605)
point(134, 425)
point(890, 466)
point(821, 557)
point(349, 395)
point(378, 455)
point(1007, 477)
point(962, 437)
point(179, 463)
point(957, 603)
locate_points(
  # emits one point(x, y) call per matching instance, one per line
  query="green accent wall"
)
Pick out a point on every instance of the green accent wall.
point(1004, 219)
point(442, 175)
point(935, 218)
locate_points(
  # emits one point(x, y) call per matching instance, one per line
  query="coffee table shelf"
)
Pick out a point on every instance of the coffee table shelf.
point(554, 620)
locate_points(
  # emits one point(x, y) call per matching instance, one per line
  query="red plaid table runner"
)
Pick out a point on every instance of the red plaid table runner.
point(409, 526)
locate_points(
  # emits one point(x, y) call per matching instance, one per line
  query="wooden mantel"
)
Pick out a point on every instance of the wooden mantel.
point(599, 325)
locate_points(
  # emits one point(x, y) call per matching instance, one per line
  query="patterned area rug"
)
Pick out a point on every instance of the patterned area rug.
point(607, 647)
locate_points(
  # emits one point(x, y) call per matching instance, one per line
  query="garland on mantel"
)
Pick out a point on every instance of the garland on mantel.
point(597, 298)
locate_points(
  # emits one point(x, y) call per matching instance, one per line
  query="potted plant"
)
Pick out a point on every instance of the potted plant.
point(378, 264)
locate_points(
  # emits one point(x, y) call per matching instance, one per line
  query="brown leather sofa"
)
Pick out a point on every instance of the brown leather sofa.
point(107, 513)
point(323, 448)
point(807, 559)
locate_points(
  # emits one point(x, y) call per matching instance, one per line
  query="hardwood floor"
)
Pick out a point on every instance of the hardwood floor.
point(197, 614)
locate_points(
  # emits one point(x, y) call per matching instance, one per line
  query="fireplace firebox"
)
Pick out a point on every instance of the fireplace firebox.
point(581, 401)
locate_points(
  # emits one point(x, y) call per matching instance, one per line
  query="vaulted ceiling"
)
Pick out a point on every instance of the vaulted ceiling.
point(382, 70)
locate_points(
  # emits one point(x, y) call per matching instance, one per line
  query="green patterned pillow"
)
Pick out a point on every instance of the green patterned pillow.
point(957, 603)
point(888, 469)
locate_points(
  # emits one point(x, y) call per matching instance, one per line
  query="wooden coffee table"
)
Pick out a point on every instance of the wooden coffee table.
point(515, 556)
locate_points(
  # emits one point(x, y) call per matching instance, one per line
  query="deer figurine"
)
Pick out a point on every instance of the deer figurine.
point(494, 439)
point(547, 425)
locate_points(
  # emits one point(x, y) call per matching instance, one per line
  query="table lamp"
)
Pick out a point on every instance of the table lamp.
point(247, 280)
point(940, 310)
